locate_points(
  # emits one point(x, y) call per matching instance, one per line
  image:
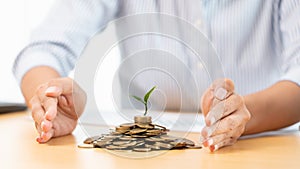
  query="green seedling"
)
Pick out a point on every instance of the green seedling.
point(145, 100)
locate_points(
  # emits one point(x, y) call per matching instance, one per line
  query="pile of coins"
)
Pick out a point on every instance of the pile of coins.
point(140, 136)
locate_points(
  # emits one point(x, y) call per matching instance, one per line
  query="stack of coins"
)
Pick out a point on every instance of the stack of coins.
point(140, 136)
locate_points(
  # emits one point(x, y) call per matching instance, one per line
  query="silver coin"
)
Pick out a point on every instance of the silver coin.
point(86, 146)
point(144, 149)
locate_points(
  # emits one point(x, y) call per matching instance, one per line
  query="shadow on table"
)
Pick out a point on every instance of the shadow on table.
point(62, 141)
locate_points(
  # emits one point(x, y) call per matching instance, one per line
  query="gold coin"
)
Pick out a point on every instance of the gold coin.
point(101, 143)
point(139, 136)
point(91, 139)
point(145, 126)
point(127, 125)
point(136, 131)
point(127, 138)
point(143, 119)
point(194, 147)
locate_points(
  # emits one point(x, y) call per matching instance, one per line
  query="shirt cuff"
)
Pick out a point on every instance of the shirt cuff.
point(293, 74)
point(27, 61)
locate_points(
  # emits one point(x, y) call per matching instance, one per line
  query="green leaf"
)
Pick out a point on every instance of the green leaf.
point(147, 95)
point(138, 99)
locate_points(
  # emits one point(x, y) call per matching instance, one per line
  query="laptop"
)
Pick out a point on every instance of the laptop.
point(6, 107)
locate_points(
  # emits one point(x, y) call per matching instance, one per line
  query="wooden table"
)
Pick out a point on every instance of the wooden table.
point(18, 149)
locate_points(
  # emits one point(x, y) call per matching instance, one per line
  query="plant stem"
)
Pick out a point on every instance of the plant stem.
point(146, 109)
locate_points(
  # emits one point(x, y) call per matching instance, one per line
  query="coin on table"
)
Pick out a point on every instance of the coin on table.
point(194, 147)
point(91, 139)
point(86, 146)
point(118, 143)
point(145, 126)
point(136, 131)
point(163, 145)
point(130, 144)
point(121, 130)
point(127, 125)
point(113, 147)
point(153, 147)
point(142, 149)
point(139, 136)
point(154, 139)
point(154, 132)
point(127, 138)
point(101, 144)
point(143, 119)
point(159, 126)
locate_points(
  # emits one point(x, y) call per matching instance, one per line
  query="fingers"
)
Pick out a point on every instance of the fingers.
point(226, 131)
point(46, 125)
point(223, 109)
point(45, 136)
point(43, 126)
point(225, 115)
point(218, 91)
point(49, 103)
point(53, 108)
point(37, 110)
point(216, 142)
point(206, 101)
point(44, 111)
point(228, 123)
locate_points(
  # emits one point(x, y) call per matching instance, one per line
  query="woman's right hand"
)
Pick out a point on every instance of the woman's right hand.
point(56, 107)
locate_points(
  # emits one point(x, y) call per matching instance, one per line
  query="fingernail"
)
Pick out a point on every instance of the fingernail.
point(51, 89)
point(38, 139)
point(42, 125)
point(216, 148)
point(212, 120)
point(212, 148)
point(208, 142)
point(47, 116)
point(220, 93)
point(209, 132)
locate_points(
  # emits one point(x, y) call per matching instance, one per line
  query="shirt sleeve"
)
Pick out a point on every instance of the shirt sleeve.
point(60, 39)
point(290, 31)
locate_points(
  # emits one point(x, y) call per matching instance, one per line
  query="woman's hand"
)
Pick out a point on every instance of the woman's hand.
point(226, 115)
point(56, 107)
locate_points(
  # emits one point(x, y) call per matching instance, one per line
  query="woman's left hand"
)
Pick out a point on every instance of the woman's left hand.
point(226, 115)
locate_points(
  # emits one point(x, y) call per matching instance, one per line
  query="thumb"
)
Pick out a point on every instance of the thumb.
point(59, 86)
point(53, 91)
point(218, 91)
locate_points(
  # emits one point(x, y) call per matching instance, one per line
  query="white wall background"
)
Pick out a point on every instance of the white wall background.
point(18, 18)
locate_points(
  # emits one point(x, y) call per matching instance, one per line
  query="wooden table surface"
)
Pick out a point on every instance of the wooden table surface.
point(18, 149)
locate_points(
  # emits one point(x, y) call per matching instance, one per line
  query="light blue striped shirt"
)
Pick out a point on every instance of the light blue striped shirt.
point(257, 41)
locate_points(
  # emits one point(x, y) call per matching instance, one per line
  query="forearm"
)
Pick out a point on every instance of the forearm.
point(273, 108)
point(35, 77)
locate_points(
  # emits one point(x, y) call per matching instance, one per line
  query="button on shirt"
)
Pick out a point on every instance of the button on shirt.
point(258, 42)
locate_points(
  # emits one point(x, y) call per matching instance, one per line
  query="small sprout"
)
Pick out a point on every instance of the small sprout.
point(145, 100)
